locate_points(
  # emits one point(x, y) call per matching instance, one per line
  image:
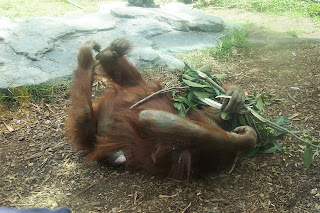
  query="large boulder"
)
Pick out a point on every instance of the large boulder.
point(39, 49)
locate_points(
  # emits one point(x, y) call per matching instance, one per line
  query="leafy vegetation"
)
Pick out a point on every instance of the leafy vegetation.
point(279, 7)
point(203, 89)
point(33, 93)
point(200, 89)
point(230, 43)
point(25, 8)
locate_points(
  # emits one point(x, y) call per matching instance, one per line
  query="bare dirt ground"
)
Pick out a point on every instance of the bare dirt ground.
point(38, 168)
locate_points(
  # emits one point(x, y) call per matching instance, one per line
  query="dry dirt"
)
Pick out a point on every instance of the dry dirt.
point(38, 168)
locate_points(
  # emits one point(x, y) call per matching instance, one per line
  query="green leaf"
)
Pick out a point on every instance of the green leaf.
point(220, 76)
point(197, 101)
point(200, 94)
point(193, 67)
point(177, 99)
point(192, 84)
point(282, 121)
point(259, 104)
point(307, 156)
point(186, 101)
point(182, 111)
point(270, 150)
point(177, 106)
point(253, 152)
point(186, 67)
point(210, 90)
point(278, 146)
point(188, 77)
point(225, 115)
point(217, 91)
point(204, 68)
point(190, 96)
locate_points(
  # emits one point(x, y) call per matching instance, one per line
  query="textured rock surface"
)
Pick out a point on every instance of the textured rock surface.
point(39, 49)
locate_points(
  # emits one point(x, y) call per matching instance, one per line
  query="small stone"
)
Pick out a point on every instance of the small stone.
point(261, 195)
point(314, 191)
point(21, 138)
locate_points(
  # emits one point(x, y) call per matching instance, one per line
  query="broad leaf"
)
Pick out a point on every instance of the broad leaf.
point(192, 84)
point(220, 76)
point(200, 94)
point(270, 150)
point(259, 104)
point(225, 115)
point(253, 152)
point(190, 96)
point(189, 77)
point(307, 156)
point(204, 68)
point(177, 99)
point(186, 101)
point(282, 121)
point(177, 105)
point(182, 111)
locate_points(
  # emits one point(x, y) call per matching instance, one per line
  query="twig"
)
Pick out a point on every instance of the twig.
point(257, 116)
point(220, 37)
point(75, 4)
point(204, 76)
point(168, 196)
point(135, 195)
point(83, 190)
point(2, 172)
point(294, 100)
point(234, 164)
point(279, 128)
point(157, 93)
point(185, 209)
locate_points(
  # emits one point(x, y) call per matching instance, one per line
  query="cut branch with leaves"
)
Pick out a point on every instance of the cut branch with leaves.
point(204, 89)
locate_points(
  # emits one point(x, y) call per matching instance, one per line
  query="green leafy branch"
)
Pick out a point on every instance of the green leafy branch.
point(204, 89)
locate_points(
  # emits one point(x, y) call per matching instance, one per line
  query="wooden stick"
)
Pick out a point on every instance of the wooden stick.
point(75, 4)
point(204, 76)
point(185, 209)
point(279, 128)
point(157, 93)
point(83, 190)
point(257, 116)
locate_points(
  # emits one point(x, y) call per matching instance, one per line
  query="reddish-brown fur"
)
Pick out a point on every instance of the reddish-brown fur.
point(110, 125)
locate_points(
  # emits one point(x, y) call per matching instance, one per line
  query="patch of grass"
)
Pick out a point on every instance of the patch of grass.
point(43, 92)
point(279, 7)
point(197, 58)
point(295, 33)
point(228, 46)
point(25, 8)
point(229, 43)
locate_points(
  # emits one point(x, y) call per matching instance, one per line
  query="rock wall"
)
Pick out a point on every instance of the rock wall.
point(40, 49)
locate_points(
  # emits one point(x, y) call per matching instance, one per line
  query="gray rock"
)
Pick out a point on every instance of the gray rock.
point(196, 21)
point(178, 15)
point(40, 49)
